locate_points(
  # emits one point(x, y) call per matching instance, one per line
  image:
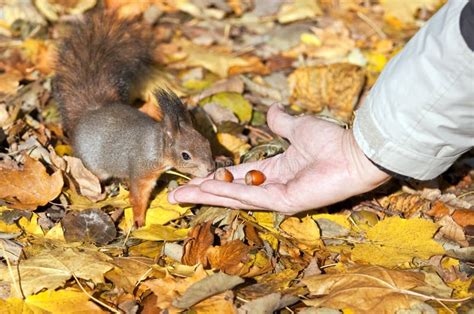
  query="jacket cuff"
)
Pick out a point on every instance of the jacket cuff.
point(387, 153)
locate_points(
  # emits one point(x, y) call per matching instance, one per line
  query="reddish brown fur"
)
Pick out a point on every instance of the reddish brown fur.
point(89, 71)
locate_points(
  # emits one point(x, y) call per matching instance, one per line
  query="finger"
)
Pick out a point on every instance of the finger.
point(194, 195)
point(280, 122)
point(270, 196)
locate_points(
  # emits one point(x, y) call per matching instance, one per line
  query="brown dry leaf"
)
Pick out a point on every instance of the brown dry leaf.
point(128, 271)
point(451, 230)
point(365, 289)
point(195, 248)
point(220, 303)
point(169, 288)
point(438, 209)
point(90, 225)
point(464, 217)
point(253, 65)
point(9, 82)
point(29, 187)
point(336, 86)
point(51, 269)
point(406, 203)
point(84, 180)
point(229, 257)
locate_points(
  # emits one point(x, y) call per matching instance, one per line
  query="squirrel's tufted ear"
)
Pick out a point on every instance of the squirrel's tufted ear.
point(174, 111)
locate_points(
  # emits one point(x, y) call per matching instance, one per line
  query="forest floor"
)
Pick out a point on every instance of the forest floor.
point(67, 241)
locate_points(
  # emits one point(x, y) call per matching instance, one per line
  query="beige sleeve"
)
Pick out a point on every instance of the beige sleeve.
point(419, 116)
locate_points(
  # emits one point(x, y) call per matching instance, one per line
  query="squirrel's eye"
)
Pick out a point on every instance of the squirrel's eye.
point(185, 156)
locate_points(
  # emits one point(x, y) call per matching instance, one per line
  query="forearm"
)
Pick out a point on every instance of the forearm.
point(419, 117)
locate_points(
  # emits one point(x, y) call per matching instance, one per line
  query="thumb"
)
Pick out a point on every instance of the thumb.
point(280, 122)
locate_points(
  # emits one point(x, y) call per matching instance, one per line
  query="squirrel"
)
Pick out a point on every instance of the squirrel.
point(97, 65)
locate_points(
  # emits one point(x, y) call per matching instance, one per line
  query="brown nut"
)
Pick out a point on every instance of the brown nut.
point(254, 177)
point(222, 174)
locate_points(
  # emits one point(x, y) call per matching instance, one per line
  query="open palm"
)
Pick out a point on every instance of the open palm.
point(323, 165)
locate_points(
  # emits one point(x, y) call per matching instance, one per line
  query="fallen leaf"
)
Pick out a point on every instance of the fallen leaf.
point(50, 301)
point(160, 233)
point(405, 10)
point(29, 187)
point(304, 231)
point(195, 248)
point(128, 271)
point(85, 181)
point(160, 211)
point(295, 10)
point(206, 287)
point(51, 269)
point(92, 225)
point(365, 289)
point(395, 241)
point(234, 144)
point(451, 230)
point(233, 101)
point(229, 257)
point(335, 86)
point(267, 304)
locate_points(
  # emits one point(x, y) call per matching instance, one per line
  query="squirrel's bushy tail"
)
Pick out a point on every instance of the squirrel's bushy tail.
point(98, 62)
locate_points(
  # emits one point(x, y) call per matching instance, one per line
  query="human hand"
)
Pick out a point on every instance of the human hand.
point(323, 165)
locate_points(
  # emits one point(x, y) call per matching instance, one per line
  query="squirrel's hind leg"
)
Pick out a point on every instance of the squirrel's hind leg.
point(140, 190)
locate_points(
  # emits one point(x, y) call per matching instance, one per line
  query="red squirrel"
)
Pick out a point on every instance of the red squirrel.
point(96, 66)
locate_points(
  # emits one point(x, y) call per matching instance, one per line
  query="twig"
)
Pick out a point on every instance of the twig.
point(178, 174)
point(92, 297)
point(10, 271)
point(372, 25)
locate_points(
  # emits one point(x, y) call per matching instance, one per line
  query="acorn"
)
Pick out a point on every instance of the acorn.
point(254, 177)
point(222, 174)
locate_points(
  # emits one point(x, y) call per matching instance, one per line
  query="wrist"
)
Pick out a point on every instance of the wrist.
point(363, 171)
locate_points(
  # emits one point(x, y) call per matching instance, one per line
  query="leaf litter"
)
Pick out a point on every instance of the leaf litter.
point(67, 242)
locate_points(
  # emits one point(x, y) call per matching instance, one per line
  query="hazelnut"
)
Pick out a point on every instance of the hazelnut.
point(222, 174)
point(254, 177)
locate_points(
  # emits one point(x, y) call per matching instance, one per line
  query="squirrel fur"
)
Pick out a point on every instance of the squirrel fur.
point(96, 68)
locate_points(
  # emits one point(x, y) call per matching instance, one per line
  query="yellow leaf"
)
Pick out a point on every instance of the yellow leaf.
point(51, 269)
point(295, 10)
point(270, 238)
point(31, 226)
point(161, 211)
point(404, 10)
point(305, 231)
point(160, 233)
point(265, 219)
point(462, 289)
point(337, 218)
point(80, 202)
point(55, 233)
point(62, 150)
point(376, 61)
point(310, 39)
point(234, 144)
point(395, 241)
point(233, 101)
point(62, 301)
point(9, 228)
